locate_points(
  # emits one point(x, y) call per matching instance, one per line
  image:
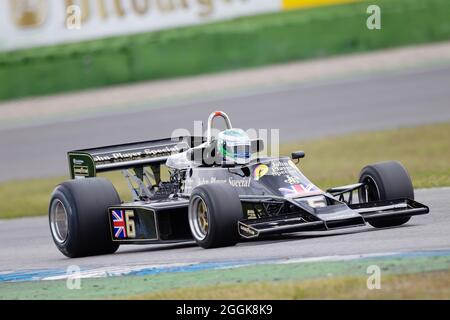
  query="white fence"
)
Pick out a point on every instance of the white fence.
point(29, 23)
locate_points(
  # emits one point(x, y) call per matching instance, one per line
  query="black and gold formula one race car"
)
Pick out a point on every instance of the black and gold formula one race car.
point(214, 190)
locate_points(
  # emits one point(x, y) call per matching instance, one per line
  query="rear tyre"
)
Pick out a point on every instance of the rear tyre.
point(386, 181)
point(78, 217)
point(214, 211)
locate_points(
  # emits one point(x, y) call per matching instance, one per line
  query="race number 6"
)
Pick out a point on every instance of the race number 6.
point(131, 229)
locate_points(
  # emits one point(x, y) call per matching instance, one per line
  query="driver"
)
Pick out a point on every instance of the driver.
point(234, 146)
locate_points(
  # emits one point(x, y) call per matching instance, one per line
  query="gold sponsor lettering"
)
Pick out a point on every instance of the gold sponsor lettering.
point(102, 11)
point(251, 214)
point(28, 13)
point(249, 231)
point(33, 13)
point(141, 7)
point(239, 183)
point(165, 5)
point(138, 7)
point(144, 154)
point(207, 8)
point(81, 170)
point(120, 11)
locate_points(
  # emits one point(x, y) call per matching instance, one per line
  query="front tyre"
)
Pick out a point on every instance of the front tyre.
point(214, 211)
point(78, 217)
point(386, 181)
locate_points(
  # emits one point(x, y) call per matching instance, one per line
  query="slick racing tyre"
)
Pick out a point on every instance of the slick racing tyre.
point(214, 211)
point(386, 181)
point(78, 217)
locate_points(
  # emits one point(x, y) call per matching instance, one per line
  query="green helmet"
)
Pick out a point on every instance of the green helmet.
point(234, 145)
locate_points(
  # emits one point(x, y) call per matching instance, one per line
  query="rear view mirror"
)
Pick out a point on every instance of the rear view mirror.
point(297, 155)
point(257, 145)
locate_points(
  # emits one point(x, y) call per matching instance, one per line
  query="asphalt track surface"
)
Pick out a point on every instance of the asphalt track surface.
point(27, 244)
point(300, 111)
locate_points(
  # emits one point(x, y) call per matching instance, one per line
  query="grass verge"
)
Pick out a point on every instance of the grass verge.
point(423, 150)
point(240, 43)
point(427, 285)
point(333, 161)
point(28, 198)
point(415, 277)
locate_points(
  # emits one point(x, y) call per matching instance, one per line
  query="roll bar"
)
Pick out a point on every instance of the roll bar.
point(211, 118)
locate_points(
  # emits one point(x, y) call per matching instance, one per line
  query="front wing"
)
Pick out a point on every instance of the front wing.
point(331, 217)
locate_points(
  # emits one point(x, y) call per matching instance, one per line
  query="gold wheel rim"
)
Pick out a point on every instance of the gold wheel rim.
point(203, 217)
point(198, 215)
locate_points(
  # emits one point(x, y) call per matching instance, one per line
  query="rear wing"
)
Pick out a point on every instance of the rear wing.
point(87, 163)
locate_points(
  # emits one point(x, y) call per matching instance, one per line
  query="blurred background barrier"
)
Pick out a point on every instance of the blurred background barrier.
point(31, 23)
point(241, 42)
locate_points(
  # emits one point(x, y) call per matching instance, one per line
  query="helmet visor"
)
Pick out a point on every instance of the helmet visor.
point(238, 151)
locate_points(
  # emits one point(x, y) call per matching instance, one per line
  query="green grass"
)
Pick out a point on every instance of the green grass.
point(27, 198)
point(423, 150)
point(421, 277)
point(245, 42)
point(332, 161)
point(427, 285)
